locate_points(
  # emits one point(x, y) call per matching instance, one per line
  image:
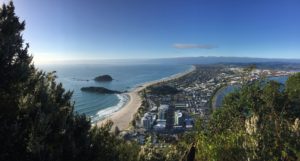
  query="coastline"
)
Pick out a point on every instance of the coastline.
point(215, 97)
point(124, 116)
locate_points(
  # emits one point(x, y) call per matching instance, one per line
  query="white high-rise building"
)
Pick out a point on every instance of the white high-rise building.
point(162, 109)
point(146, 122)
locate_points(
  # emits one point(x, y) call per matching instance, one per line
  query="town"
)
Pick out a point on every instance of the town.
point(172, 107)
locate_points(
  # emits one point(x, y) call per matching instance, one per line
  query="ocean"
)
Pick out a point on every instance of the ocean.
point(126, 78)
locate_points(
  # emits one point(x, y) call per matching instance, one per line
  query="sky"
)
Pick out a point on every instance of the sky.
point(128, 29)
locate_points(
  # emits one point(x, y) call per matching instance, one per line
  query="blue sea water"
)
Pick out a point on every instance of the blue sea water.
point(126, 77)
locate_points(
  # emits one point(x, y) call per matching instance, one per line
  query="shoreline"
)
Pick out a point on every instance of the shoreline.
point(214, 97)
point(125, 114)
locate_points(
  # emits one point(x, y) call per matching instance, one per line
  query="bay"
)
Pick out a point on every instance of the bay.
point(126, 77)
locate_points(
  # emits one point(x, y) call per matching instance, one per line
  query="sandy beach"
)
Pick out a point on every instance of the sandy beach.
point(123, 117)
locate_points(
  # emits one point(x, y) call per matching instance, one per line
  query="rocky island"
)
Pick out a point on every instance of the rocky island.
point(100, 90)
point(104, 78)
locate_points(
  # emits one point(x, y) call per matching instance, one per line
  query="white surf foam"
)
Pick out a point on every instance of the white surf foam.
point(102, 114)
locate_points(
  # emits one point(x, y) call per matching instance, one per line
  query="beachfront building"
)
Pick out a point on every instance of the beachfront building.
point(162, 110)
point(148, 120)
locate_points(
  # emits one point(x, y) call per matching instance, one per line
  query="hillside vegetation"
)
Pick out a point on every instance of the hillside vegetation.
point(258, 122)
point(38, 122)
point(37, 119)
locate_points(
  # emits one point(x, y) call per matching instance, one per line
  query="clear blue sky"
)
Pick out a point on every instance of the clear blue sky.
point(118, 29)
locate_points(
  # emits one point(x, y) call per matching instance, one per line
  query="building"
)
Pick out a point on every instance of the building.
point(148, 120)
point(181, 106)
point(162, 110)
point(178, 118)
point(162, 117)
point(160, 125)
point(189, 123)
point(153, 109)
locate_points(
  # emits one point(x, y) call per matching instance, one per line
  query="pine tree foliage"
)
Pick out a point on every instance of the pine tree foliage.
point(37, 119)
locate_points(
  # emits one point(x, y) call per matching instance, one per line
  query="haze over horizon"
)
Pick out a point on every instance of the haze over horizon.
point(80, 30)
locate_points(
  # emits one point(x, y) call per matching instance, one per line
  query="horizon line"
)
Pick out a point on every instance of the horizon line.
point(111, 60)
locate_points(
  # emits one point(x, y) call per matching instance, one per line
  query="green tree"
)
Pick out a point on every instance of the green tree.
point(36, 114)
point(15, 70)
point(293, 91)
point(258, 122)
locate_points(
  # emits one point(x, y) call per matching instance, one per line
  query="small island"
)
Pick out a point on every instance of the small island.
point(104, 78)
point(100, 90)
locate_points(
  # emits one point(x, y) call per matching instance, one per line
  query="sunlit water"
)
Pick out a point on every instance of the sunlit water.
point(126, 77)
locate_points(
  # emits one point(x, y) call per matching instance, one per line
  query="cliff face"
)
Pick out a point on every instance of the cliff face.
point(103, 78)
point(100, 90)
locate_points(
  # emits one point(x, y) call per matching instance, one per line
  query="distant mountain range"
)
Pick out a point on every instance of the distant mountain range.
point(183, 60)
point(215, 60)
